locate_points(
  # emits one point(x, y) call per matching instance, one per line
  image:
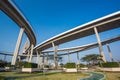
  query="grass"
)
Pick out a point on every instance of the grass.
point(2, 78)
point(53, 76)
point(112, 75)
point(59, 76)
point(41, 76)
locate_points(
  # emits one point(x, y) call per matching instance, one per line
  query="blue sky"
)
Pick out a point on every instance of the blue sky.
point(51, 17)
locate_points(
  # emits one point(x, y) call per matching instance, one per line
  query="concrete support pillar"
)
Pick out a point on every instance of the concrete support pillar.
point(99, 44)
point(68, 57)
point(110, 53)
point(28, 56)
point(55, 55)
point(78, 59)
point(38, 59)
point(19, 58)
point(47, 58)
point(5, 57)
point(31, 53)
point(16, 51)
point(43, 60)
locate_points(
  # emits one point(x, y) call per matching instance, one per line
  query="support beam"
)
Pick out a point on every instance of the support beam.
point(78, 59)
point(68, 57)
point(43, 60)
point(31, 53)
point(55, 55)
point(17, 48)
point(5, 57)
point(110, 53)
point(28, 56)
point(46, 60)
point(19, 58)
point(38, 58)
point(99, 44)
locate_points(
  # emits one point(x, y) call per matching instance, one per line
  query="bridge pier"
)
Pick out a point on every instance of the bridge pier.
point(68, 57)
point(55, 55)
point(31, 53)
point(17, 48)
point(28, 56)
point(5, 57)
point(99, 44)
point(78, 59)
point(19, 58)
point(38, 58)
point(110, 53)
point(46, 60)
point(43, 60)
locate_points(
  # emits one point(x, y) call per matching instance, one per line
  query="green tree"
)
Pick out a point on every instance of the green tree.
point(3, 63)
point(70, 65)
point(91, 59)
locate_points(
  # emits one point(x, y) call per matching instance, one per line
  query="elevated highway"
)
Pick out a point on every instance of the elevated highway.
point(102, 24)
point(105, 23)
point(90, 46)
point(83, 47)
point(72, 50)
point(10, 9)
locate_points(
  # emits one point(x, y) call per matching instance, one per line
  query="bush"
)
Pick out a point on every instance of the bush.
point(81, 65)
point(70, 65)
point(110, 64)
point(2, 78)
point(30, 65)
point(20, 64)
point(46, 66)
point(9, 65)
point(2, 64)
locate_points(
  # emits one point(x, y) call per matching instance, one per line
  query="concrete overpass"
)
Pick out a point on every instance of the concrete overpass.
point(94, 27)
point(78, 49)
point(83, 47)
point(102, 24)
point(91, 46)
point(105, 23)
point(71, 50)
point(9, 8)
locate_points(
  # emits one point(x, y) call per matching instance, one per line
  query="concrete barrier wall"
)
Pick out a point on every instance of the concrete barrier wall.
point(71, 70)
point(29, 69)
point(110, 69)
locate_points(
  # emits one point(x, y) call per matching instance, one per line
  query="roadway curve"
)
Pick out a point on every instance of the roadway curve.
point(83, 47)
point(102, 24)
point(11, 10)
point(73, 49)
point(76, 49)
